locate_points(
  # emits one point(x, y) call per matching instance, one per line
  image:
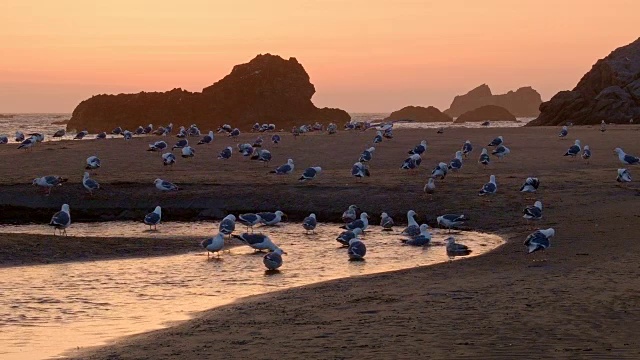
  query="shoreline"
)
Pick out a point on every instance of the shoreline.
point(500, 306)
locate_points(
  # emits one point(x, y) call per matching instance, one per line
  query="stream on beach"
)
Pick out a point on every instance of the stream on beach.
point(46, 310)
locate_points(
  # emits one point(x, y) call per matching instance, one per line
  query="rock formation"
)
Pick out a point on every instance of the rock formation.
point(486, 113)
point(268, 89)
point(523, 102)
point(419, 114)
point(610, 91)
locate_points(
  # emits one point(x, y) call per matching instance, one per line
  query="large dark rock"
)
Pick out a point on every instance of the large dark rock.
point(419, 114)
point(523, 102)
point(268, 89)
point(610, 91)
point(486, 113)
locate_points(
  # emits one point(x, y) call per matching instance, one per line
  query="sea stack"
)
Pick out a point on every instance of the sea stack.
point(268, 89)
point(523, 102)
point(610, 91)
point(486, 113)
point(419, 114)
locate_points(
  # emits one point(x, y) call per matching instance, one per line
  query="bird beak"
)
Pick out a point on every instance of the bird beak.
point(284, 252)
point(285, 216)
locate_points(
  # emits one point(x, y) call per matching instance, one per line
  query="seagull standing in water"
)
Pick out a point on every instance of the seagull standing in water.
point(227, 225)
point(271, 218)
point(164, 185)
point(484, 157)
point(249, 220)
point(309, 223)
point(257, 241)
point(623, 176)
point(214, 244)
point(467, 148)
point(349, 215)
point(450, 221)
point(61, 220)
point(412, 229)
point(624, 158)
point(90, 184)
point(423, 239)
point(454, 249)
point(310, 173)
point(574, 149)
point(357, 250)
point(153, 218)
point(361, 223)
point(346, 236)
point(273, 260)
point(539, 240)
point(386, 222)
point(489, 188)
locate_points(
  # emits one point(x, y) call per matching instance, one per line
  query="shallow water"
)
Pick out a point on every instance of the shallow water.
point(48, 309)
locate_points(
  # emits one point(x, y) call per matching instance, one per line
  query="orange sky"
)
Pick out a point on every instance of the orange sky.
point(362, 55)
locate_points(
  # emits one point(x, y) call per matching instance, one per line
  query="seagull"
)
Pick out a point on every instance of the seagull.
point(430, 186)
point(284, 169)
point(603, 126)
point(530, 185)
point(361, 223)
point(539, 240)
point(249, 220)
point(93, 162)
point(309, 223)
point(258, 142)
point(235, 132)
point(188, 152)
point(420, 148)
point(180, 144)
point(563, 133)
point(411, 162)
point(226, 153)
point(497, 141)
point(275, 139)
point(245, 149)
point(440, 171)
point(346, 236)
point(484, 157)
point(224, 128)
point(157, 146)
point(164, 185)
point(359, 170)
point(421, 240)
point(81, 135)
point(310, 173)
point(574, 149)
point(101, 136)
point(19, 136)
point(214, 244)
point(38, 136)
point(153, 218)
point(456, 163)
point(227, 225)
point(623, 175)
point(139, 130)
point(3, 139)
point(349, 215)
point(467, 148)
point(27, 143)
point(450, 221)
point(367, 154)
point(357, 250)
point(90, 184)
point(489, 188)
point(61, 220)
point(454, 249)
point(388, 134)
point(412, 229)
point(273, 260)
point(127, 135)
point(257, 241)
point(624, 158)
point(59, 133)
point(386, 222)
point(148, 129)
point(168, 159)
point(117, 131)
point(501, 151)
point(533, 212)
point(271, 218)
point(263, 155)
point(586, 153)
point(49, 182)
point(440, 130)
point(378, 138)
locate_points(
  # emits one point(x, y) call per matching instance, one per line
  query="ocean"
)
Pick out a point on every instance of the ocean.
point(46, 124)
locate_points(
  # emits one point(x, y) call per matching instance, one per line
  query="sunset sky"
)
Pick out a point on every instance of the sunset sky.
point(362, 55)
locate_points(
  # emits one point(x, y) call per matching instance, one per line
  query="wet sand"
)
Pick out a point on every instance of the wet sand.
point(581, 301)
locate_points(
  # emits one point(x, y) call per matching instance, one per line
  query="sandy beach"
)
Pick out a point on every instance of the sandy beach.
point(579, 299)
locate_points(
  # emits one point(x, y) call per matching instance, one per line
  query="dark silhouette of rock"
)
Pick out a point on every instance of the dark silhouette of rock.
point(268, 89)
point(486, 113)
point(523, 102)
point(419, 114)
point(610, 91)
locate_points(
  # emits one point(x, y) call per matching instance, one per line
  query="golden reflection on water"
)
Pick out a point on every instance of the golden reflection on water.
point(48, 309)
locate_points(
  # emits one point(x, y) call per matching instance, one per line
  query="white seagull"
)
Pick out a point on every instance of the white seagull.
point(284, 169)
point(214, 244)
point(93, 162)
point(623, 175)
point(168, 159)
point(273, 260)
point(153, 218)
point(450, 221)
point(349, 215)
point(89, 184)
point(386, 222)
point(257, 241)
point(489, 188)
point(49, 182)
point(484, 157)
point(164, 185)
point(624, 158)
point(310, 173)
point(61, 220)
point(423, 239)
point(539, 240)
point(309, 223)
point(412, 229)
point(497, 141)
point(574, 149)
point(361, 223)
point(227, 225)
point(357, 250)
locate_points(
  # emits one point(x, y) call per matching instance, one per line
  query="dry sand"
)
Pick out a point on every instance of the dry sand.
point(583, 301)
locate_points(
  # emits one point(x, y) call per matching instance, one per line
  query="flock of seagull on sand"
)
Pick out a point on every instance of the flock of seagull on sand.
point(355, 226)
